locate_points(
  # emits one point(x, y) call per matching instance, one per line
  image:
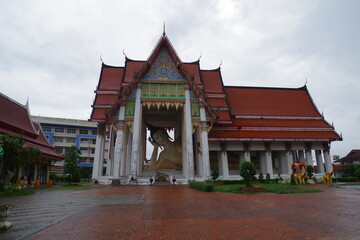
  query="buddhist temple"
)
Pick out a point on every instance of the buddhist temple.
point(213, 126)
point(15, 119)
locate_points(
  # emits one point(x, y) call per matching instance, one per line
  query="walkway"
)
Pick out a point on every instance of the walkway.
point(178, 212)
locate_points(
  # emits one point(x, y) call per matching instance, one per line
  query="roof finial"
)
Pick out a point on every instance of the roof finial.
point(164, 29)
point(200, 56)
point(124, 53)
point(305, 80)
point(220, 63)
point(101, 58)
point(27, 102)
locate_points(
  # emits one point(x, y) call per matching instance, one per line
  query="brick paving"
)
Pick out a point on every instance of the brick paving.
point(33, 213)
point(178, 212)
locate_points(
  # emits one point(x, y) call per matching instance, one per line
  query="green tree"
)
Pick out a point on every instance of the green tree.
point(310, 171)
point(267, 179)
point(12, 146)
point(28, 156)
point(247, 171)
point(357, 173)
point(72, 158)
point(261, 177)
point(214, 174)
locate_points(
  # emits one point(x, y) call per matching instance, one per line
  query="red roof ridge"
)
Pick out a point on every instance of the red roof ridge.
point(12, 100)
point(274, 88)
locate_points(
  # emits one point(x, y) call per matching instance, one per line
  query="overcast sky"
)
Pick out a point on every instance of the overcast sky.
point(50, 50)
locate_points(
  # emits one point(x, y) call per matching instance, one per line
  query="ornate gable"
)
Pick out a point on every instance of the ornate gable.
point(163, 68)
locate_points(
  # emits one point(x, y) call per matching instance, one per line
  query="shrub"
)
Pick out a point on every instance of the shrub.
point(292, 179)
point(267, 179)
point(310, 171)
point(261, 178)
point(52, 176)
point(202, 186)
point(347, 179)
point(214, 174)
point(350, 169)
point(247, 171)
point(76, 176)
point(357, 173)
point(229, 182)
point(12, 187)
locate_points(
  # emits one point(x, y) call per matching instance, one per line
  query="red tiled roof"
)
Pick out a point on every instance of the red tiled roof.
point(272, 135)
point(105, 99)
point(247, 101)
point(110, 78)
point(212, 81)
point(15, 119)
point(131, 67)
point(194, 69)
point(14, 115)
point(295, 123)
point(353, 155)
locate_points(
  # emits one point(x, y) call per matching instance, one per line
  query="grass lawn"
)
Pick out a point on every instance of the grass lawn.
point(271, 187)
point(58, 186)
point(17, 194)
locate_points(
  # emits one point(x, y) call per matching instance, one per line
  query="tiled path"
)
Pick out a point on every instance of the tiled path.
point(178, 212)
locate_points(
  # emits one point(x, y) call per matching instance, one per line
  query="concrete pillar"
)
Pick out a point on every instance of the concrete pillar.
point(119, 143)
point(48, 166)
point(327, 158)
point(35, 174)
point(198, 153)
point(301, 155)
point(128, 153)
point(188, 137)
point(135, 156)
point(290, 160)
point(205, 144)
point(309, 160)
point(223, 164)
point(98, 158)
point(269, 165)
point(319, 161)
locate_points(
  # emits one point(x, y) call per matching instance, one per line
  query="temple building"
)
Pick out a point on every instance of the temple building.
point(212, 126)
point(15, 119)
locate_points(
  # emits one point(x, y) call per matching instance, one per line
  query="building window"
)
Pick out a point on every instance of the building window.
point(83, 131)
point(59, 149)
point(84, 140)
point(91, 160)
point(59, 130)
point(94, 141)
point(93, 132)
point(84, 150)
point(67, 149)
point(46, 129)
point(58, 139)
point(71, 130)
point(92, 150)
point(70, 140)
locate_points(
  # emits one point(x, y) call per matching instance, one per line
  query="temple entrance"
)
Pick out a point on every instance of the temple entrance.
point(162, 136)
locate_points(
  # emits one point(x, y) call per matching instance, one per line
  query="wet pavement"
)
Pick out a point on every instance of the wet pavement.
point(178, 212)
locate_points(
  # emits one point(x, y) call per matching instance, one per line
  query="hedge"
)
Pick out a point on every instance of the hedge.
point(202, 186)
point(347, 179)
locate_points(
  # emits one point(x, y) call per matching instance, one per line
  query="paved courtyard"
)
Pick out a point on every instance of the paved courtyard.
point(178, 212)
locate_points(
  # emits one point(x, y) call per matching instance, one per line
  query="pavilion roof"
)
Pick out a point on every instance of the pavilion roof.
point(250, 112)
point(353, 155)
point(15, 119)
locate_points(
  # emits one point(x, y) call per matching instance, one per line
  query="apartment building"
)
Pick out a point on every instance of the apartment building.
point(62, 133)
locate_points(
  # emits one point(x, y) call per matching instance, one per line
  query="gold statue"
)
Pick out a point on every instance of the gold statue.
point(171, 156)
point(299, 172)
point(327, 177)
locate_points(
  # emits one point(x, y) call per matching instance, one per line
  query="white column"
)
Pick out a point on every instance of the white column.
point(269, 165)
point(135, 156)
point(301, 155)
point(309, 160)
point(198, 153)
point(98, 159)
point(128, 153)
point(327, 158)
point(188, 135)
point(119, 143)
point(319, 161)
point(205, 144)
point(223, 164)
point(289, 158)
